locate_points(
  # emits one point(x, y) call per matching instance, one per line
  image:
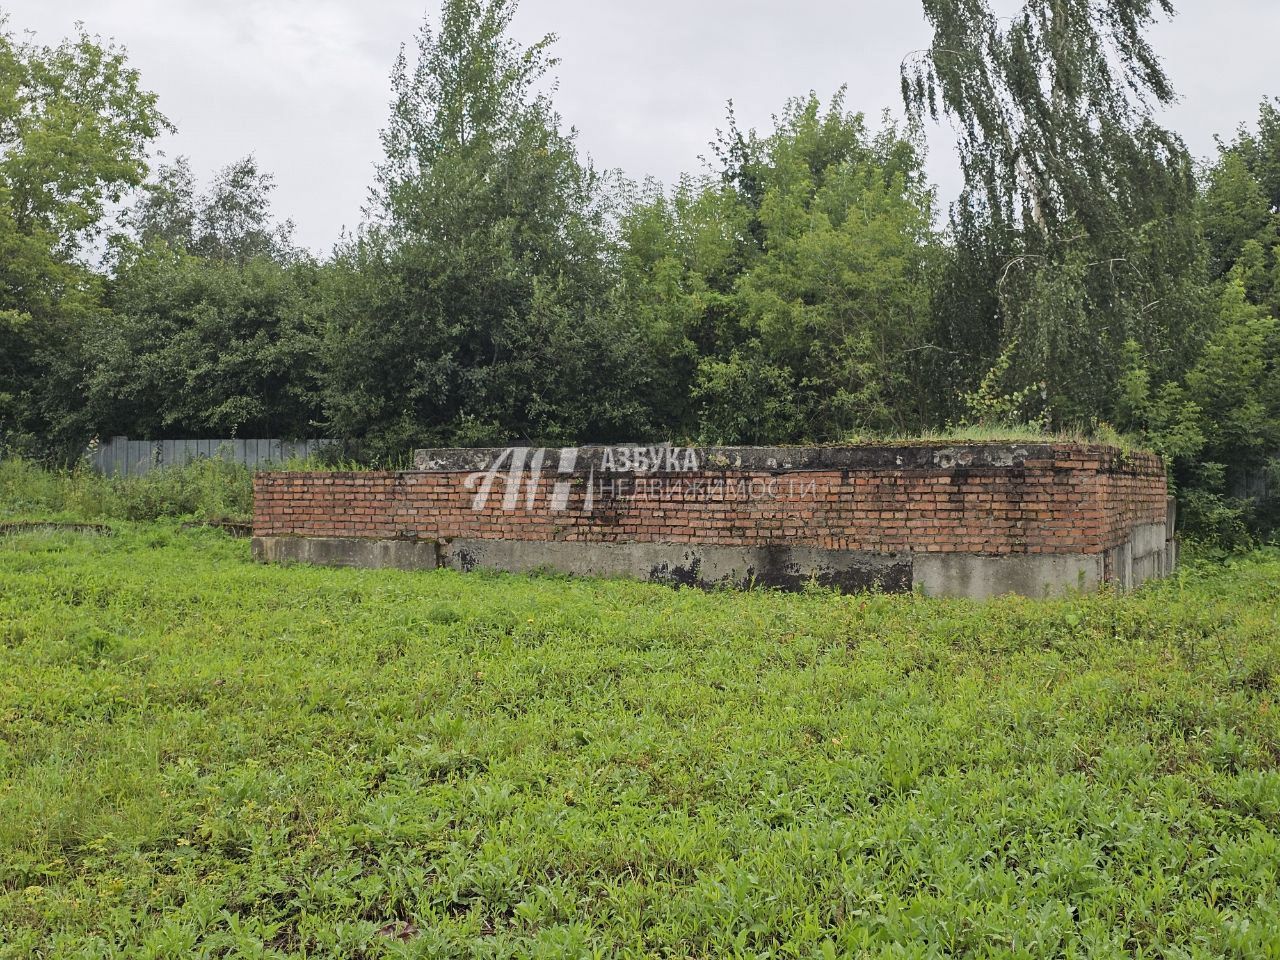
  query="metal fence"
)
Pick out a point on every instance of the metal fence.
point(131, 458)
point(1258, 483)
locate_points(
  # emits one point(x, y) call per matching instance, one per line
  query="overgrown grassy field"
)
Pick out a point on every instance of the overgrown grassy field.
point(200, 756)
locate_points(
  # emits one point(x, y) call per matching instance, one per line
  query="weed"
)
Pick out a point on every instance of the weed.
point(201, 756)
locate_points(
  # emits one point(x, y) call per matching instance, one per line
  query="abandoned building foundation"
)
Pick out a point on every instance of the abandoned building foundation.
point(973, 520)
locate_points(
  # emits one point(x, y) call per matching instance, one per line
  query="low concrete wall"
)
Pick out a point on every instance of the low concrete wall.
point(784, 568)
point(1150, 552)
point(974, 521)
point(349, 552)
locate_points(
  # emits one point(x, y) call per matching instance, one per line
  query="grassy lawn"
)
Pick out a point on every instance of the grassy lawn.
point(200, 756)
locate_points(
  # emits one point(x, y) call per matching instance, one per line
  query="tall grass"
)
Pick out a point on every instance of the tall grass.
point(201, 756)
point(205, 489)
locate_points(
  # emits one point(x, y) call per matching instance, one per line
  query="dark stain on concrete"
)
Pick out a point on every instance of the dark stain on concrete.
point(678, 574)
point(779, 569)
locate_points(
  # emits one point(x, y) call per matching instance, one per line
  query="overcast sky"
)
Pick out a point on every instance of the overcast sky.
point(303, 84)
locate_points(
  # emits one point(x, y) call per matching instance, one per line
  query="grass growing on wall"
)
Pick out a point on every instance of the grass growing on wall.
point(200, 756)
point(983, 434)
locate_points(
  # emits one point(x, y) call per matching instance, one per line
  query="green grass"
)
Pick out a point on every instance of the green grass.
point(200, 756)
point(980, 434)
point(205, 489)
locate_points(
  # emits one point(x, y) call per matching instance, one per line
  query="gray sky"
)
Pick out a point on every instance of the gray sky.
point(303, 84)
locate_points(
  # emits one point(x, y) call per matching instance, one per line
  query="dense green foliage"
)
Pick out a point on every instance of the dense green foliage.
point(474, 306)
point(1117, 290)
point(788, 296)
point(207, 757)
point(215, 330)
point(1087, 204)
point(1090, 277)
point(75, 125)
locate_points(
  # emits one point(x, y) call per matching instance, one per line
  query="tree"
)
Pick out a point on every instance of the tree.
point(682, 256)
point(1234, 379)
point(839, 297)
point(231, 222)
point(1241, 208)
point(1086, 200)
point(75, 124)
point(214, 328)
point(202, 348)
point(1260, 151)
point(1236, 382)
point(789, 293)
point(474, 306)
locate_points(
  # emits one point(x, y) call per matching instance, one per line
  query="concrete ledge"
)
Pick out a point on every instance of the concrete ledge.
point(784, 568)
point(1029, 575)
point(778, 567)
point(1148, 538)
point(348, 552)
point(762, 459)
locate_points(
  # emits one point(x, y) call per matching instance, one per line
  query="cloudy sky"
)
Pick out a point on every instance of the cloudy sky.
point(303, 84)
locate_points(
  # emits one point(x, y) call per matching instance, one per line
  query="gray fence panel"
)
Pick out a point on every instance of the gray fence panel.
point(131, 458)
point(112, 457)
point(138, 453)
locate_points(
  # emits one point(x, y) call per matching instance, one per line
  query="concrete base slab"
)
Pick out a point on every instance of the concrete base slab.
point(1148, 539)
point(786, 568)
point(980, 578)
point(348, 552)
point(1148, 554)
point(779, 567)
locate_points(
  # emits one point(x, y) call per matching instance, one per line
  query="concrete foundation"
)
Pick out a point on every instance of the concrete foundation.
point(976, 520)
point(980, 578)
point(787, 568)
point(1150, 552)
point(348, 552)
point(783, 568)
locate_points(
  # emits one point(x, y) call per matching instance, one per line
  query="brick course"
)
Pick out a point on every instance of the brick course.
point(1069, 499)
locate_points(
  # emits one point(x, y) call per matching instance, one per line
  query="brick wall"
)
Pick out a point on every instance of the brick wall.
point(1050, 499)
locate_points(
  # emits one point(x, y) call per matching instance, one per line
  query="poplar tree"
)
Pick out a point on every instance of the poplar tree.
point(473, 308)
